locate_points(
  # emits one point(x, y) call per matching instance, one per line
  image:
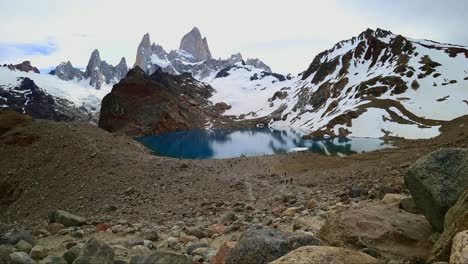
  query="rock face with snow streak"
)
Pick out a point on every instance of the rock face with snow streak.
point(65, 71)
point(258, 64)
point(194, 44)
point(28, 98)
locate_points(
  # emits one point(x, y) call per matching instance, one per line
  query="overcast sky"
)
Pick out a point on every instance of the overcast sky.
point(284, 34)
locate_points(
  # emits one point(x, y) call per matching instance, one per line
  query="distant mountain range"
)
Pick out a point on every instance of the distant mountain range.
point(376, 84)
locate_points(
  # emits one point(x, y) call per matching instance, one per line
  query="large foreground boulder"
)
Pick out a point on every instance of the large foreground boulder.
point(436, 181)
point(95, 252)
point(329, 255)
point(456, 220)
point(392, 232)
point(260, 245)
point(161, 257)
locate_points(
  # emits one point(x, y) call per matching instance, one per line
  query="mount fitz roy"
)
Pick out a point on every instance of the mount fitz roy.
point(377, 84)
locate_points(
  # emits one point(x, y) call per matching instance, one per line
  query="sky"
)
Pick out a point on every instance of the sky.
point(286, 35)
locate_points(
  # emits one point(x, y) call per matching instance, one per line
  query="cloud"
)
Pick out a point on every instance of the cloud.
point(10, 51)
point(286, 35)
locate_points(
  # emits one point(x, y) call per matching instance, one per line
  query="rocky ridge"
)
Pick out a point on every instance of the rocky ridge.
point(193, 56)
point(97, 71)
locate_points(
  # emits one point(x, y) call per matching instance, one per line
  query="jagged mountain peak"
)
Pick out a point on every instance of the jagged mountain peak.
point(194, 44)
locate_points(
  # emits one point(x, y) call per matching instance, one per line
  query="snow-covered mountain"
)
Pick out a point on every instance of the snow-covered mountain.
point(372, 85)
point(76, 94)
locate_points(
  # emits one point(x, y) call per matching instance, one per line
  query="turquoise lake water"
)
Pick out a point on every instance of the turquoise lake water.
point(224, 143)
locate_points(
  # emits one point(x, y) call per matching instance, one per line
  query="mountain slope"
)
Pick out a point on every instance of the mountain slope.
point(378, 84)
point(78, 93)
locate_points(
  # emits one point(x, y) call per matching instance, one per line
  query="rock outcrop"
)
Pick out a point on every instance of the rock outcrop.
point(436, 181)
point(263, 245)
point(195, 45)
point(28, 98)
point(25, 66)
point(322, 254)
point(142, 104)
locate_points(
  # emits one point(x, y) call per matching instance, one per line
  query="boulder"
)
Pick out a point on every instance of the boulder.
point(21, 258)
point(385, 228)
point(95, 252)
point(409, 205)
point(261, 245)
point(15, 236)
point(393, 198)
point(329, 255)
point(161, 257)
point(223, 253)
point(55, 260)
point(66, 219)
point(436, 181)
point(54, 228)
point(23, 246)
point(195, 246)
point(38, 253)
point(5, 251)
point(459, 253)
point(456, 220)
point(72, 254)
point(149, 235)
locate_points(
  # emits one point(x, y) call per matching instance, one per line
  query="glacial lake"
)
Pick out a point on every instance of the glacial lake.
point(225, 143)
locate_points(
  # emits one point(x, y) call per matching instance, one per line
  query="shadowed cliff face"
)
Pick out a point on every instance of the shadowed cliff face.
point(142, 104)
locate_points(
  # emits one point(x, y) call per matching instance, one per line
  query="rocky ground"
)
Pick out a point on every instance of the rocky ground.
point(254, 210)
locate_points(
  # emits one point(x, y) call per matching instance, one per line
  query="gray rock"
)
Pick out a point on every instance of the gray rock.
point(197, 231)
point(95, 252)
point(23, 246)
point(263, 245)
point(55, 260)
point(161, 257)
point(195, 246)
point(258, 64)
point(436, 181)
point(5, 251)
point(21, 258)
point(15, 236)
point(120, 262)
point(38, 252)
point(150, 235)
point(65, 218)
point(94, 64)
point(409, 205)
point(72, 254)
point(355, 192)
point(65, 71)
point(193, 43)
